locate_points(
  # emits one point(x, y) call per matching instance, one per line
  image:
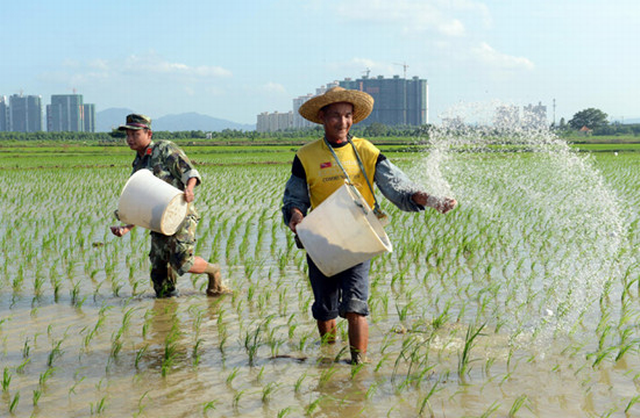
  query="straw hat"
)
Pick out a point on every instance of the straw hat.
point(361, 101)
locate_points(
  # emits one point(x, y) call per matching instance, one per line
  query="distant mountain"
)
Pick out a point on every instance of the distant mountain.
point(114, 117)
point(111, 118)
point(196, 122)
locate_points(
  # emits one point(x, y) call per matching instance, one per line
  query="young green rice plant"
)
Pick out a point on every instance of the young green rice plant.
point(312, 406)
point(195, 355)
point(465, 357)
point(18, 280)
point(356, 369)
point(141, 404)
point(170, 349)
point(424, 402)
point(55, 353)
point(252, 342)
point(209, 406)
point(14, 403)
point(38, 281)
point(291, 327)
point(21, 367)
point(517, 405)
point(490, 410)
point(72, 389)
point(116, 344)
point(236, 398)
point(44, 376)
point(268, 390)
point(297, 386)
point(6, 379)
point(326, 375)
point(634, 400)
point(139, 354)
point(232, 375)
point(284, 412)
point(37, 393)
point(99, 407)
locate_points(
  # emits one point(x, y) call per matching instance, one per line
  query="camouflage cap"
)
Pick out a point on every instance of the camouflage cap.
point(136, 121)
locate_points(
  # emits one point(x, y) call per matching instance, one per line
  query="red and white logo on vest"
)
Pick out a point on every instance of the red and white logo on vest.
point(325, 165)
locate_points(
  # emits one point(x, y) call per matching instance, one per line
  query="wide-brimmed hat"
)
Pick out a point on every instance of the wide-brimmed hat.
point(361, 101)
point(136, 121)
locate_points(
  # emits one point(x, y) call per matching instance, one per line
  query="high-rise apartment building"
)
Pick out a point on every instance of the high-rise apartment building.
point(65, 113)
point(89, 117)
point(299, 121)
point(507, 117)
point(398, 101)
point(535, 116)
point(25, 113)
point(4, 114)
point(276, 121)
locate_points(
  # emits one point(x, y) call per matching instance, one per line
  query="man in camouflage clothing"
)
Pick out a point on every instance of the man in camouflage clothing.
point(169, 254)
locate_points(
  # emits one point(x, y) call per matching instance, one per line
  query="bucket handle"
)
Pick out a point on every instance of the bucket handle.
point(358, 199)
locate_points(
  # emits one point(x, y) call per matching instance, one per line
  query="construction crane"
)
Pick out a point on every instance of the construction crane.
point(404, 67)
point(366, 72)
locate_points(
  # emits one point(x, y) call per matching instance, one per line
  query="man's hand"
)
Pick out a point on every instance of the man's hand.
point(445, 204)
point(441, 204)
point(189, 196)
point(296, 218)
point(119, 231)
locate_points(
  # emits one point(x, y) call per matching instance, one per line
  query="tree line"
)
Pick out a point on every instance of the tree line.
point(117, 137)
point(592, 121)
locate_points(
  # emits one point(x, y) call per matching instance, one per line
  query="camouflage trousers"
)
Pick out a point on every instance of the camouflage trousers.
point(171, 255)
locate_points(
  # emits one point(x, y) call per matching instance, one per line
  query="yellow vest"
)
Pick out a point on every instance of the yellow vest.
point(324, 176)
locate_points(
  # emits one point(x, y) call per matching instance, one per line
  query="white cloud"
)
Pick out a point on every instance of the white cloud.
point(444, 17)
point(147, 68)
point(492, 58)
point(272, 87)
point(152, 63)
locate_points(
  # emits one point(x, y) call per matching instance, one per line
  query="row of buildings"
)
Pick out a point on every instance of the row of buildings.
point(398, 101)
point(531, 117)
point(66, 113)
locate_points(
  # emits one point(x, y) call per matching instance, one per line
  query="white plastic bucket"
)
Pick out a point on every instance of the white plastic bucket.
point(342, 231)
point(151, 203)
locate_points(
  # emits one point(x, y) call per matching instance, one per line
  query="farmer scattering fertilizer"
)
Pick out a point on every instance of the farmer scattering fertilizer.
point(319, 169)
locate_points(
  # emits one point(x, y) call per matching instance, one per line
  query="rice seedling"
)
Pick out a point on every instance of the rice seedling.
point(6, 379)
point(99, 407)
point(170, 353)
point(237, 397)
point(209, 406)
point(268, 390)
point(14, 402)
point(284, 412)
point(555, 280)
point(232, 376)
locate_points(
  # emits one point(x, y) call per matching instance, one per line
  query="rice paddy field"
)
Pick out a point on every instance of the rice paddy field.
point(523, 301)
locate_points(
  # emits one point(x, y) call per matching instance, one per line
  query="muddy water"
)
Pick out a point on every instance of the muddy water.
point(81, 333)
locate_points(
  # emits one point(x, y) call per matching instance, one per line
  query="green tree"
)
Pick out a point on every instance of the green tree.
point(591, 118)
point(376, 129)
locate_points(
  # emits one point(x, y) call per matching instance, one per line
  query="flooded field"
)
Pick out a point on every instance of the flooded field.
point(523, 301)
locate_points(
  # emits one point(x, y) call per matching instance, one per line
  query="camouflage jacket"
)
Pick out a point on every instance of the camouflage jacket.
point(167, 162)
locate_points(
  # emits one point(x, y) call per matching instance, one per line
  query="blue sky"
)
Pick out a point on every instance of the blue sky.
point(235, 59)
